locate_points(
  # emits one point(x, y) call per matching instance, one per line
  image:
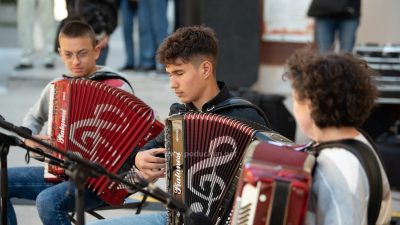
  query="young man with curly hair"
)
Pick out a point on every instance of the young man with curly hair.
point(190, 58)
point(333, 94)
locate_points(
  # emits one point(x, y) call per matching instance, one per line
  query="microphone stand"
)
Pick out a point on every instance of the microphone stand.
point(5, 143)
point(78, 173)
point(169, 200)
point(81, 169)
point(78, 169)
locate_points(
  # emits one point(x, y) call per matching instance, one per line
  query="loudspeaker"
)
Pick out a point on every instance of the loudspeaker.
point(389, 148)
point(382, 117)
point(281, 120)
point(237, 25)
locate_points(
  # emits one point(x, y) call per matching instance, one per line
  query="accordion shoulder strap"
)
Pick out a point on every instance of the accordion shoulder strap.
point(370, 164)
point(110, 75)
point(234, 102)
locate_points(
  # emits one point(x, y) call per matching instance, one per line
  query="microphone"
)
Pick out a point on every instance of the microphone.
point(177, 108)
point(21, 131)
point(163, 196)
point(198, 218)
point(11, 140)
point(26, 130)
point(91, 168)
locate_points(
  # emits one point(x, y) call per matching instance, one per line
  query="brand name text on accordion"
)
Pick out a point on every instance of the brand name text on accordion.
point(178, 173)
point(61, 134)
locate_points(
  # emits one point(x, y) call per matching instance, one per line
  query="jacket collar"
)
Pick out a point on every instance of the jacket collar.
point(100, 71)
point(210, 105)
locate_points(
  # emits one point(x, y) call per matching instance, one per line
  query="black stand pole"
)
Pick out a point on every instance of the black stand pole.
point(5, 142)
point(5, 147)
point(79, 173)
point(79, 176)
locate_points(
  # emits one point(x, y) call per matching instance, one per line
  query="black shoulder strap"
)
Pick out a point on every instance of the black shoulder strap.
point(374, 147)
point(234, 102)
point(371, 166)
point(111, 75)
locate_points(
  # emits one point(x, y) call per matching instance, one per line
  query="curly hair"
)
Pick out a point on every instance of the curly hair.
point(189, 42)
point(339, 86)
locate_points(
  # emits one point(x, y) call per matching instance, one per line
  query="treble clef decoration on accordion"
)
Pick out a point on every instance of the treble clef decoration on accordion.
point(216, 182)
point(103, 124)
point(204, 156)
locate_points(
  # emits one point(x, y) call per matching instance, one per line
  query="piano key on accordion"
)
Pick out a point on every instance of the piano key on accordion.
point(274, 184)
point(102, 124)
point(204, 155)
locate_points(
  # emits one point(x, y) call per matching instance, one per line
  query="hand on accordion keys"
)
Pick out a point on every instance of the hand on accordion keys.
point(150, 165)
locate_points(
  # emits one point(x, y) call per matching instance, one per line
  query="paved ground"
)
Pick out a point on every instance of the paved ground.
point(18, 90)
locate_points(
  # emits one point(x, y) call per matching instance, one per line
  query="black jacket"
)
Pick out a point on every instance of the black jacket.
point(242, 113)
point(101, 15)
point(353, 9)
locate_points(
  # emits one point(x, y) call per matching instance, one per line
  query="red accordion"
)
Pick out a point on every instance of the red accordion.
point(274, 185)
point(204, 155)
point(102, 124)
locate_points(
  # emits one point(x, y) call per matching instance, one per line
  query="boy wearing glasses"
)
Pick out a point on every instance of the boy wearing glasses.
point(79, 51)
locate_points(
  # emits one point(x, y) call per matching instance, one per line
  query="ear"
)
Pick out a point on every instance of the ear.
point(97, 50)
point(59, 51)
point(207, 69)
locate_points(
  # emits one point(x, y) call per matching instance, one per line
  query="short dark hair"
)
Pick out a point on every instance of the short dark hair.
point(77, 28)
point(339, 86)
point(188, 42)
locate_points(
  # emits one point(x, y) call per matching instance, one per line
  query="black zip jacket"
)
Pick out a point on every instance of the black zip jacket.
point(242, 113)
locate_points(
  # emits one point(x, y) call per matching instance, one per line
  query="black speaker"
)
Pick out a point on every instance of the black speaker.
point(237, 25)
point(388, 146)
point(281, 120)
point(382, 117)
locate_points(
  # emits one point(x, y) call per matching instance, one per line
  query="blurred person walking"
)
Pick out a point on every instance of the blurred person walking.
point(153, 25)
point(339, 17)
point(128, 13)
point(28, 11)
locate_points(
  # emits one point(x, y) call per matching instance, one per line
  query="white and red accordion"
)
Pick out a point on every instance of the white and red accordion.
point(204, 155)
point(103, 124)
point(274, 184)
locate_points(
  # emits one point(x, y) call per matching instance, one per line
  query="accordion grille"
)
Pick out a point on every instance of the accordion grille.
point(102, 124)
point(204, 153)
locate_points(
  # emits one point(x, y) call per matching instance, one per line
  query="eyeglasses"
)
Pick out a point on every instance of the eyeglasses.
point(80, 55)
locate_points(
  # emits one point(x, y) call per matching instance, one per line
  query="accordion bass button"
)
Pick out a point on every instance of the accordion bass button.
point(262, 198)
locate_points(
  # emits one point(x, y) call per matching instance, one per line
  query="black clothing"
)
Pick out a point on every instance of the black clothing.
point(353, 10)
point(101, 15)
point(242, 113)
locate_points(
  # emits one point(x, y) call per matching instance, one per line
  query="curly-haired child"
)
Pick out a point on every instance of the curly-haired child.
point(333, 94)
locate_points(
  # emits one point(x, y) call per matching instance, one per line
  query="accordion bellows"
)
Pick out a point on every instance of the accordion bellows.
point(101, 123)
